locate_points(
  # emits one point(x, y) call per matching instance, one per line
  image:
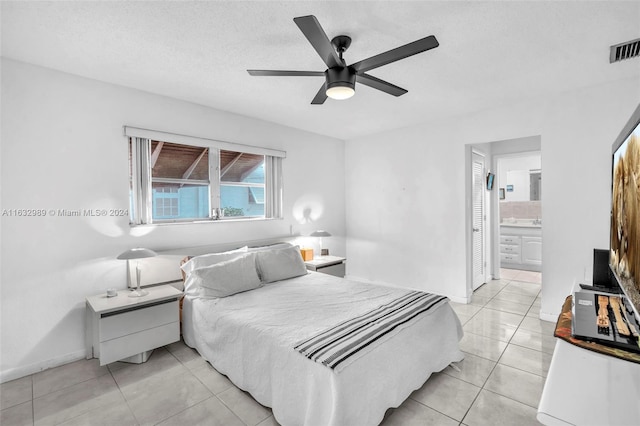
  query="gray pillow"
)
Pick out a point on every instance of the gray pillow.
point(280, 264)
point(228, 277)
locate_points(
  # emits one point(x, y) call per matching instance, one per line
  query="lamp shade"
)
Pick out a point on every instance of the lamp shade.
point(320, 233)
point(137, 253)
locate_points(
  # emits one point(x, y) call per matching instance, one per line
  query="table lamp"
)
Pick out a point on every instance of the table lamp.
point(321, 234)
point(135, 254)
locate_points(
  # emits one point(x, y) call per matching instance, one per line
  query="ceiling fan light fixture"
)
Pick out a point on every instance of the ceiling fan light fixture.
point(341, 83)
point(340, 92)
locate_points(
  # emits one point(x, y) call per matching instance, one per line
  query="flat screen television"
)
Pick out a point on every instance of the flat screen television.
point(624, 253)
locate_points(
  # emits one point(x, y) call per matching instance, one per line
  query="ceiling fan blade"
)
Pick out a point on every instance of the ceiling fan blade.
point(396, 54)
point(312, 30)
point(279, 73)
point(321, 96)
point(376, 83)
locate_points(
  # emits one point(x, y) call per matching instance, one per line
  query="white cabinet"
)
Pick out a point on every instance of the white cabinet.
point(532, 250)
point(521, 247)
point(510, 249)
point(124, 327)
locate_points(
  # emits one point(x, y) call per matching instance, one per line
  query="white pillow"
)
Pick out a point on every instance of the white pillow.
point(276, 265)
point(226, 278)
point(276, 246)
point(211, 259)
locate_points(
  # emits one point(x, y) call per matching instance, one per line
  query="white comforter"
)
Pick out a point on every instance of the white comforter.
point(250, 338)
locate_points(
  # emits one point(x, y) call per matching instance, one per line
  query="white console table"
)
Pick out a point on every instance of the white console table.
point(588, 388)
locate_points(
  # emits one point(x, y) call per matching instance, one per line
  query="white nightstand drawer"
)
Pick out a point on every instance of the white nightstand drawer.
point(337, 270)
point(125, 346)
point(137, 319)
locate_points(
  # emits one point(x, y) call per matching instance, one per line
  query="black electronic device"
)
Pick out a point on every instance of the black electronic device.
point(601, 272)
point(601, 289)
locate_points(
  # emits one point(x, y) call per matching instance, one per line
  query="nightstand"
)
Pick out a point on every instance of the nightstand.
point(124, 328)
point(332, 265)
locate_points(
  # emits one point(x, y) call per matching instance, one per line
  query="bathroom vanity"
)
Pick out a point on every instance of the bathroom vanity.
point(521, 245)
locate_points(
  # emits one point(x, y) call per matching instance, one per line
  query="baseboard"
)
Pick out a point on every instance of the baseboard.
point(25, 370)
point(546, 316)
point(463, 300)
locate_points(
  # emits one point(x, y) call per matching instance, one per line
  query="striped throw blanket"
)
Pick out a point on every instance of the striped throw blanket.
point(334, 346)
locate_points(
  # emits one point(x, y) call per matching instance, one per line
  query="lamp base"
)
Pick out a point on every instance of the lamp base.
point(138, 293)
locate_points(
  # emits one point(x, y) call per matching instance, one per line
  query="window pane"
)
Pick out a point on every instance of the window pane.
point(236, 201)
point(241, 167)
point(175, 161)
point(175, 201)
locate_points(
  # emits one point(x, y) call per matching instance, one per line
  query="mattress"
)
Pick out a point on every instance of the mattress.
point(250, 337)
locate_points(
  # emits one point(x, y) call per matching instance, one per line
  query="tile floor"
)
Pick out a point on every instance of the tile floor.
point(508, 351)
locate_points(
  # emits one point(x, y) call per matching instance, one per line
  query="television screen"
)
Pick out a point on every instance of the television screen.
point(624, 256)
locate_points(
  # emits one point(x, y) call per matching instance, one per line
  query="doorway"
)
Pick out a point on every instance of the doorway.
point(520, 211)
point(488, 260)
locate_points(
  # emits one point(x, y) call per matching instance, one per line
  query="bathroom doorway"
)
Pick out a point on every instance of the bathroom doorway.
point(523, 191)
point(519, 178)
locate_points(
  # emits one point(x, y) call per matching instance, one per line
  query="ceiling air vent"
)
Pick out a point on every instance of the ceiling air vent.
point(626, 50)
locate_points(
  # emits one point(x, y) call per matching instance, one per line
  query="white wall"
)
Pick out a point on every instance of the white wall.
point(62, 148)
point(406, 190)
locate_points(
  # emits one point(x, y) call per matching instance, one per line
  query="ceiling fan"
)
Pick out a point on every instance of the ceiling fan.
point(340, 78)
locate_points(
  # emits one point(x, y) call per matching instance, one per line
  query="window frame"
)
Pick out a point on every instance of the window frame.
point(141, 180)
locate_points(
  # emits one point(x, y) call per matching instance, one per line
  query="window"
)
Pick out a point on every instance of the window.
point(181, 179)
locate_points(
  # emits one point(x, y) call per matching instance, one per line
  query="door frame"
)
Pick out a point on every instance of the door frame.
point(469, 151)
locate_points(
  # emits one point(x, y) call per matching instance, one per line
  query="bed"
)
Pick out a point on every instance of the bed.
point(317, 349)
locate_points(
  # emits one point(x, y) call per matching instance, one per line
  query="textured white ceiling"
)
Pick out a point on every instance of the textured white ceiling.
point(490, 54)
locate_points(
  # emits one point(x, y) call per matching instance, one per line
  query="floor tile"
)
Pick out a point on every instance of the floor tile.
point(487, 292)
point(530, 360)
point(463, 318)
point(72, 401)
point(530, 276)
point(269, 421)
point(472, 369)
point(160, 396)
point(507, 306)
point(18, 415)
point(210, 412)
point(412, 413)
point(509, 274)
point(491, 409)
point(532, 340)
point(114, 414)
point(66, 375)
point(524, 299)
point(534, 311)
point(214, 381)
point(160, 361)
point(245, 407)
point(538, 325)
point(447, 395)
point(15, 392)
point(488, 328)
point(482, 346)
point(468, 310)
point(499, 317)
point(479, 300)
point(516, 384)
point(186, 354)
point(520, 287)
